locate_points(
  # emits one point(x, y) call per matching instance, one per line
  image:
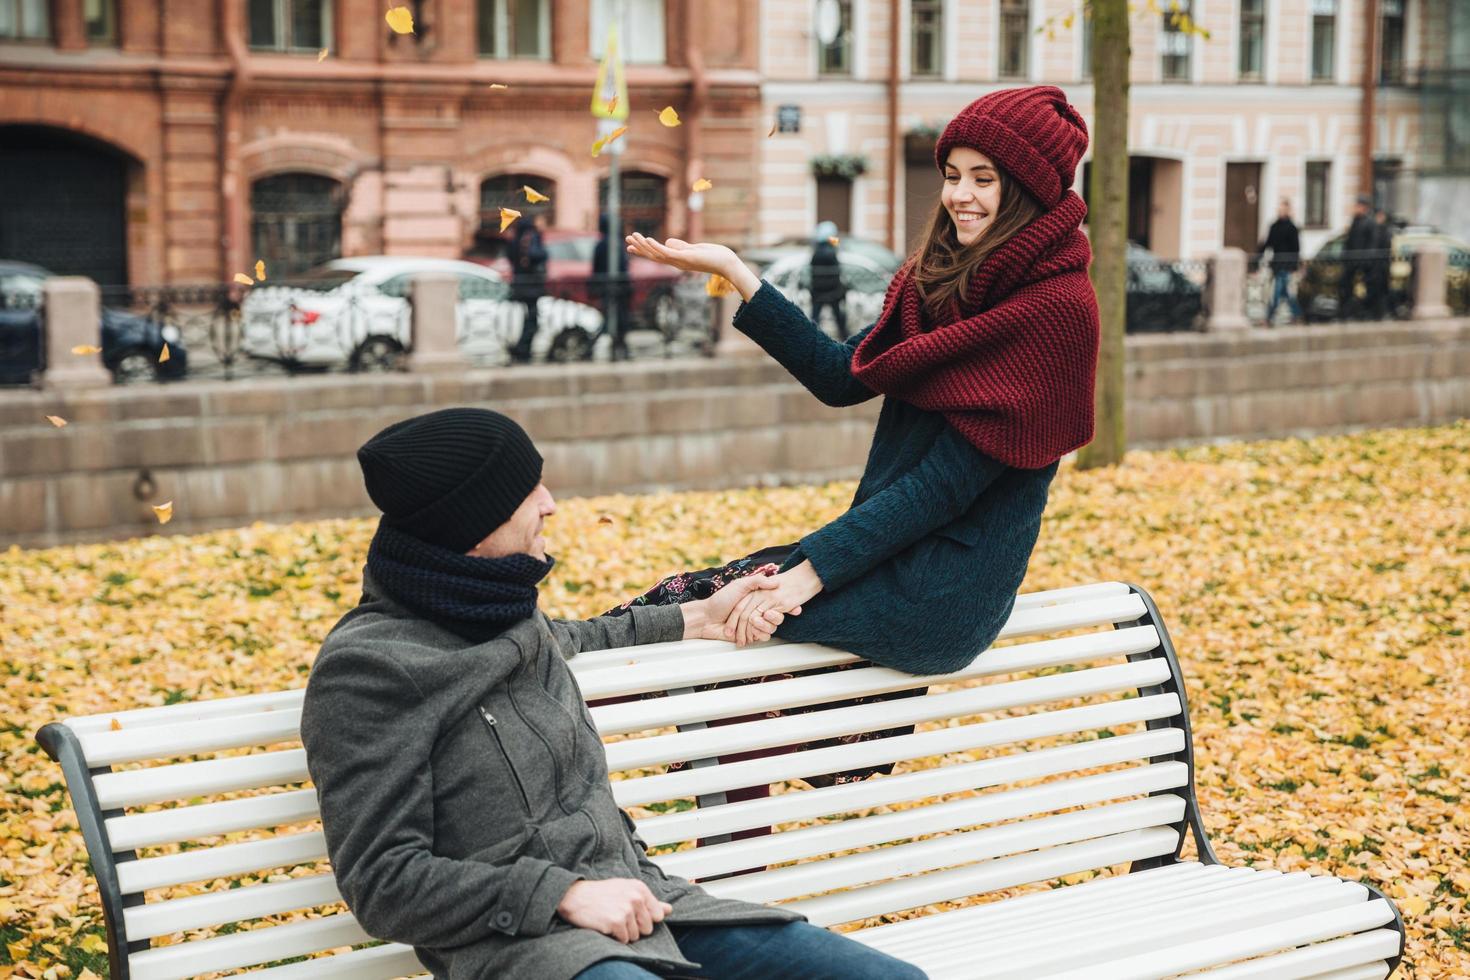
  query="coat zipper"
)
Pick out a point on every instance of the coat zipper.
point(491, 724)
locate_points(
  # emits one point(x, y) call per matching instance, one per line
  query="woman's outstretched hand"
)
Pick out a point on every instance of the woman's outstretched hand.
point(716, 260)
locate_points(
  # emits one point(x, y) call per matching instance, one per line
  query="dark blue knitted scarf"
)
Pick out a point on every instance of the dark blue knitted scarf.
point(476, 598)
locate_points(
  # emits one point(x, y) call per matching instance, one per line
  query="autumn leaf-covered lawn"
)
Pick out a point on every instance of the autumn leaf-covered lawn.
point(1318, 592)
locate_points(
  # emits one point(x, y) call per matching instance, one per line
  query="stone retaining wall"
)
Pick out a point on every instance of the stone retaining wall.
point(283, 449)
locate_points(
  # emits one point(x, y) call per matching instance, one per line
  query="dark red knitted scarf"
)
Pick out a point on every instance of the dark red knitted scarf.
point(1015, 376)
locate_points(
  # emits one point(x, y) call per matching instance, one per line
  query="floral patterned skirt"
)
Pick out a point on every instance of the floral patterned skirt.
point(701, 584)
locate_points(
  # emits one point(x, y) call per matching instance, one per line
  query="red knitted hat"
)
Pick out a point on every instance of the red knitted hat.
point(1031, 133)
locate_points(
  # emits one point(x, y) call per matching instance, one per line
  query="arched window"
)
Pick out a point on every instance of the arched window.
point(296, 221)
point(643, 202)
point(505, 191)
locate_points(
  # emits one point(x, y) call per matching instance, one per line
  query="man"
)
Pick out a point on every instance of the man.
point(615, 291)
point(1285, 245)
point(1355, 257)
point(464, 791)
point(527, 255)
point(1379, 264)
point(828, 291)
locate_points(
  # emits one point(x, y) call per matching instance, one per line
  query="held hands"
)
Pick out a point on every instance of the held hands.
point(619, 907)
point(779, 596)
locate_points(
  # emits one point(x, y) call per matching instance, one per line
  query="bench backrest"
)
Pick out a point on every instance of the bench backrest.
point(1062, 749)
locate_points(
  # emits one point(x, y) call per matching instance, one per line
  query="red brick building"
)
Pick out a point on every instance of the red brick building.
point(166, 141)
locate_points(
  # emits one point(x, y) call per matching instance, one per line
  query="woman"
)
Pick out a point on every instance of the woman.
point(986, 353)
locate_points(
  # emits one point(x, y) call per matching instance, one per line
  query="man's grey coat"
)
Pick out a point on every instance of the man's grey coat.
point(464, 788)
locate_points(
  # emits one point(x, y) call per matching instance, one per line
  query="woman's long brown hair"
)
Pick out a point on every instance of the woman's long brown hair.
point(942, 267)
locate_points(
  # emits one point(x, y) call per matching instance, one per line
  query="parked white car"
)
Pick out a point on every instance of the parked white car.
point(866, 282)
point(356, 312)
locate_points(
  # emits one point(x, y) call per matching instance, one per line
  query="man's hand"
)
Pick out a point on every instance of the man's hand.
point(618, 907)
point(749, 619)
point(707, 619)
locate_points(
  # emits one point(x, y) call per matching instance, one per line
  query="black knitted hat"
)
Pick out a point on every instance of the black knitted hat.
point(452, 476)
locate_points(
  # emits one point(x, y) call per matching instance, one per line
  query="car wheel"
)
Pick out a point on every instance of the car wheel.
point(135, 367)
point(377, 355)
point(571, 345)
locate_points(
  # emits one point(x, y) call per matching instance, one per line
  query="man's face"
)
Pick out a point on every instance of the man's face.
point(1284, 209)
point(521, 534)
point(1360, 209)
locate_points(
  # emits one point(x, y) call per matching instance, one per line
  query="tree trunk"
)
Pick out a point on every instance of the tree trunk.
point(1108, 224)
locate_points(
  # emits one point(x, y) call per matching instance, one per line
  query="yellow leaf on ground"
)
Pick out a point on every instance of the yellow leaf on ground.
point(321, 56)
point(56, 420)
point(533, 195)
point(243, 279)
point(86, 349)
point(165, 511)
point(260, 269)
point(93, 943)
point(87, 974)
point(1414, 905)
point(718, 286)
point(17, 951)
point(115, 725)
point(164, 355)
point(702, 185)
point(668, 116)
point(508, 217)
point(598, 146)
point(400, 19)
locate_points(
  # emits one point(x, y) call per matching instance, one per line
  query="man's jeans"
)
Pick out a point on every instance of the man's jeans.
point(792, 951)
point(1281, 290)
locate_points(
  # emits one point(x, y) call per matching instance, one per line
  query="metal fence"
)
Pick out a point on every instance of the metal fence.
point(1167, 296)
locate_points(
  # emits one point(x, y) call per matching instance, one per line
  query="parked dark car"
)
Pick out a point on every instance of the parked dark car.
point(131, 344)
point(1317, 289)
point(1160, 296)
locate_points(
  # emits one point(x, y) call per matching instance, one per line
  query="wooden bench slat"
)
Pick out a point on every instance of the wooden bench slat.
point(195, 737)
point(797, 765)
point(1368, 971)
point(726, 740)
point(221, 861)
point(230, 905)
point(728, 818)
point(954, 850)
point(1283, 933)
point(673, 674)
point(1108, 933)
point(958, 883)
point(374, 963)
point(793, 845)
point(246, 948)
point(185, 780)
point(750, 699)
point(210, 819)
point(171, 714)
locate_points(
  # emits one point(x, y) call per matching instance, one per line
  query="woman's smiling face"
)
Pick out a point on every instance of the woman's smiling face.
point(971, 192)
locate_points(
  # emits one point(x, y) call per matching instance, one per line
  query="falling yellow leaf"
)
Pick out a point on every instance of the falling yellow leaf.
point(260, 269)
point(532, 195)
point(321, 56)
point(164, 355)
point(668, 116)
point(598, 147)
point(718, 286)
point(499, 85)
point(400, 19)
point(702, 185)
point(508, 217)
point(56, 420)
point(165, 511)
point(86, 349)
point(612, 105)
point(117, 727)
point(243, 279)
point(832, 240)
point(772, 131)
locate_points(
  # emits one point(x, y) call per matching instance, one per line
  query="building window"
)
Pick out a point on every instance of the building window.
point(296, 221)
point(101, 20)
point(1319, 176)
point(1175, 44)
point(926, 37)
point(1084, 24)
point(1252, 39)
point(507, 191)
point(640, 32)
point(1391, 53)
point(1015, 37)
point(834, 19)
point(515, 28)
point(834, 202)
point(1324, 40)
point(643, 202)
point(25, 20)
point(290, 25)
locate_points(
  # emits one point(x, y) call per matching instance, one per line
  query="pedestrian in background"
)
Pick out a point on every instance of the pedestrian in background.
point(527, 255)
point(615, 291)
point(1285, 245)
point(1378, 265)
point(828, 290)
point(1356, 252)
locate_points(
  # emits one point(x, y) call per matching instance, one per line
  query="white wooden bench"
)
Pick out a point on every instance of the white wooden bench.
point(1066, 753)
